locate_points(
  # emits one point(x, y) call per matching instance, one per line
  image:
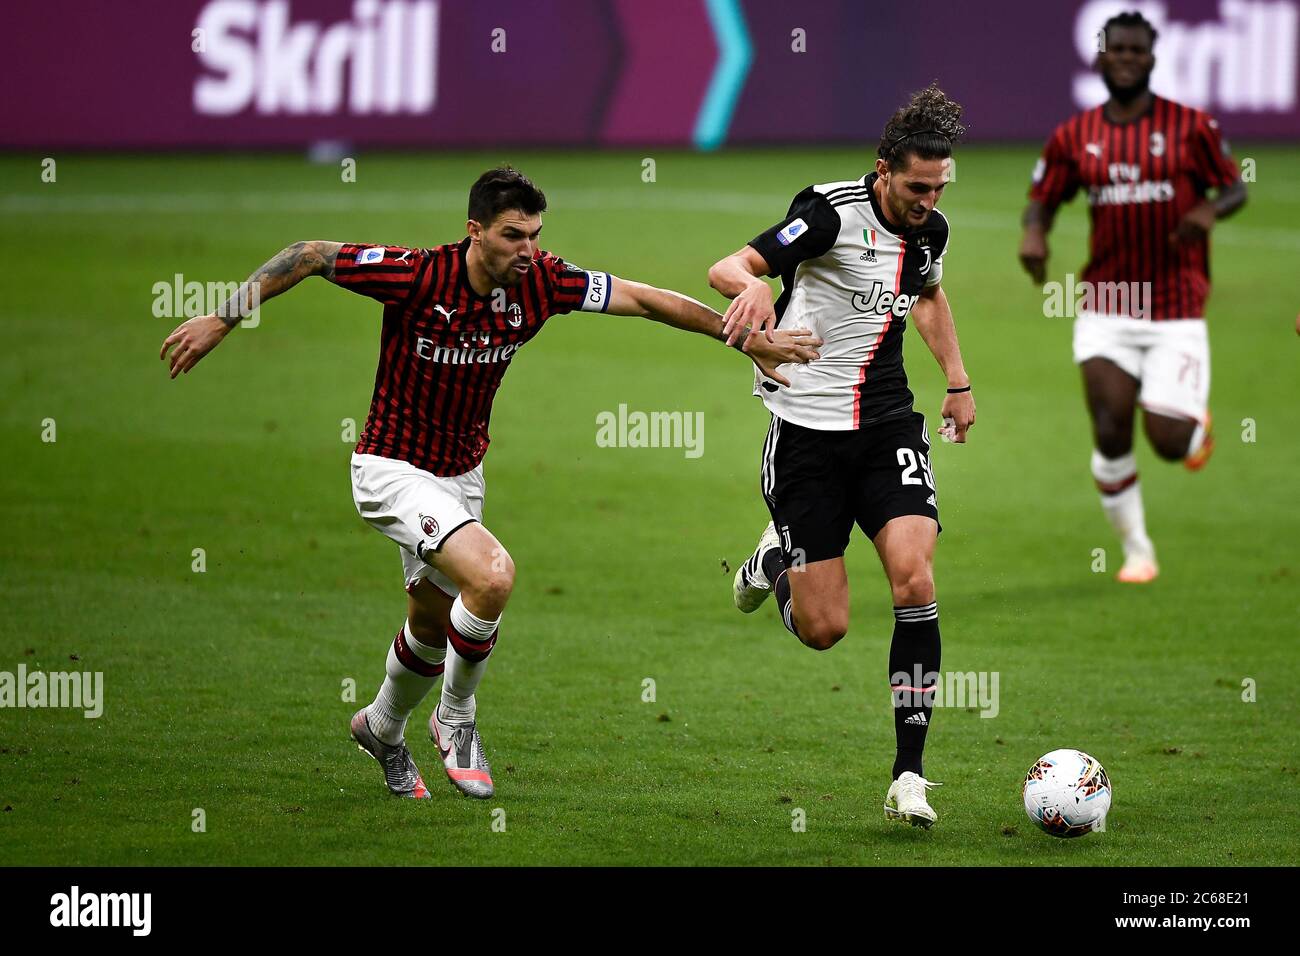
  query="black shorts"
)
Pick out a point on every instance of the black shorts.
point(819, 483)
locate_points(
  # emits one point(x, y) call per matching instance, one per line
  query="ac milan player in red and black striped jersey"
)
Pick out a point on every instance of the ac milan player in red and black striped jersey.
point(454, 317)
point(1148, 166)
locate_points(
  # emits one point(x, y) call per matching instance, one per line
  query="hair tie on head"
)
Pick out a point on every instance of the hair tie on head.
point(917, 132)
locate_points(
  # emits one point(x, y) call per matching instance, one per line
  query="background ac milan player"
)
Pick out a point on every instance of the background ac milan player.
point(454, 316)
point(1147, 164)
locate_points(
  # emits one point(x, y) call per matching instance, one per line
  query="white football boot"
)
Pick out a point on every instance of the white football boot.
point(906, 801)
point(751, 587)
point(1139, 563)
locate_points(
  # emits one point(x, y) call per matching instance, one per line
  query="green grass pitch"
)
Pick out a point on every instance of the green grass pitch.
point(224, 689)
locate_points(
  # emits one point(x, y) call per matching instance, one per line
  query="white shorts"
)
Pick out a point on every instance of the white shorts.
point(1170, 358)
point(417, 509)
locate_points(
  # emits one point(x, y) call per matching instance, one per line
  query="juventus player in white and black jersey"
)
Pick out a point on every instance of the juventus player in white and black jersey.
point(845, 446)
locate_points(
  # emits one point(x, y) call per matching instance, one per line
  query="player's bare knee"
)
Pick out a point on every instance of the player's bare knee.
point(823, 633)
point(1114, 439)
point(913, 588)
point(821, 638)
point(1170, 441)
point(491, 590)
point(1113, 446)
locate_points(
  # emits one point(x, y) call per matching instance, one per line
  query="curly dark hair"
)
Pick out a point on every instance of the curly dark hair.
point(927, 127)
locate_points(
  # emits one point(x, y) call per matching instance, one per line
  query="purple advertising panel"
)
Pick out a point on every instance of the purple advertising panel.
point(431, 73)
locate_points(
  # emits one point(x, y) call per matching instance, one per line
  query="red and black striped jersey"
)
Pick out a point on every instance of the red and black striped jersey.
point(444, 348)
point(1140, 178)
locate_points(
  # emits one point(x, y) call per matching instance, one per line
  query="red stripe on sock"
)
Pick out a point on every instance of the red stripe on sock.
point(472, 651)
point(1115, 487)
point(411, 660)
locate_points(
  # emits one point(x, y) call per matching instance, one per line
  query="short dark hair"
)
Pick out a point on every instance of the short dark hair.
point(927, 126)
point(1134, 19)
point(501, 189)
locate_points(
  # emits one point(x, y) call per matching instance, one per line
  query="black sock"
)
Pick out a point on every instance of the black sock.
point(774, 570)
point(913, 674)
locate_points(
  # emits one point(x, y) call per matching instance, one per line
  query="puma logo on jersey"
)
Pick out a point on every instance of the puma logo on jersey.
point(878, 300)
point(444, 313)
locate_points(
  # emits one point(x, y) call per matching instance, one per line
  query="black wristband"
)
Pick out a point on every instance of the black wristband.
point(958, 391)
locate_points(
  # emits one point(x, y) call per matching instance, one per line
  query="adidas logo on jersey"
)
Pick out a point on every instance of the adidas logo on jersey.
point(918, 718)
point(869, 236)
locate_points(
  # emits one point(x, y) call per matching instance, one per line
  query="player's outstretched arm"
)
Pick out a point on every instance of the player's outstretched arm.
point(683, 312)
point(738, 277)
point(196, 337)
point(933, 318)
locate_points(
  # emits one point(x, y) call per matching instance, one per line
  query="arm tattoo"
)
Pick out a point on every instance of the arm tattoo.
point(280, 273)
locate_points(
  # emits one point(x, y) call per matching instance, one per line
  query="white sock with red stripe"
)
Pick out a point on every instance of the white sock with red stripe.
point(1121, 500)
point(470, 640)
point(412, 670)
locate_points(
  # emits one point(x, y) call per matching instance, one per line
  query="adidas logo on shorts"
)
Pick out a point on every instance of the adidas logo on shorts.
point(917, 718)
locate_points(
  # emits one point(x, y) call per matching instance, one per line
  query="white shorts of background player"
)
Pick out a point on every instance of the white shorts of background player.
point(1170, 357)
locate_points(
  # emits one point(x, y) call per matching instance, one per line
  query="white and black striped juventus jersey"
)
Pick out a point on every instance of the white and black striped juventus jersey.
point(851, 279)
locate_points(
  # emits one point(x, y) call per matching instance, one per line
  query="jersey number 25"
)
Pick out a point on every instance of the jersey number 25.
point(908, 458)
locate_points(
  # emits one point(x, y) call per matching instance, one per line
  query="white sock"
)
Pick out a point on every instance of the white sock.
point(1198, 439)
point(1121, 500)
point(412, 670)
point(469, 644)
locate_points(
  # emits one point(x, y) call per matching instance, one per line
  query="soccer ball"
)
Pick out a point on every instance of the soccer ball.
point(1067, 793)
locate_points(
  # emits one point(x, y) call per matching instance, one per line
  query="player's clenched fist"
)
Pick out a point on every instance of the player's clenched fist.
point(959, 409)
point(192, 340)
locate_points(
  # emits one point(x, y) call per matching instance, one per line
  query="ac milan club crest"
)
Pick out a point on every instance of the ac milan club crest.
point(515, 315)
point(429, 526)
